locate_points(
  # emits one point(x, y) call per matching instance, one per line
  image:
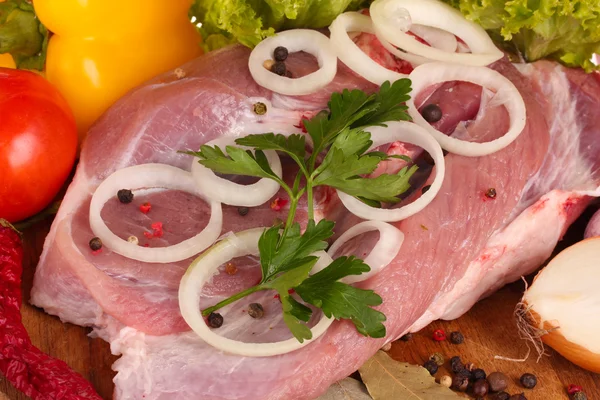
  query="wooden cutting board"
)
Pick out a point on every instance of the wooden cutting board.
point(489, 329)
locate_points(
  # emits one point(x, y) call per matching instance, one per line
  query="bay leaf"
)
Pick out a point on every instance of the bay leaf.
point(388, 379)
point(346, 389)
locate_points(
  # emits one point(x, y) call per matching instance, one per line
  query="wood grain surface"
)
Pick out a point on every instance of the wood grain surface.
point(489, 329)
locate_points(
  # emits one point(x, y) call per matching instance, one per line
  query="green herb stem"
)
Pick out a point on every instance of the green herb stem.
point(232, 299)
point(309, 194)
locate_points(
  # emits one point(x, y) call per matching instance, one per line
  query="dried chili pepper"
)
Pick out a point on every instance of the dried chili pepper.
point(30, 370)
point(146, 207)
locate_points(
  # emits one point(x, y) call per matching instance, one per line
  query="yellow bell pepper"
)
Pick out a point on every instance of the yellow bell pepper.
point(101, 49)
point(7, 61)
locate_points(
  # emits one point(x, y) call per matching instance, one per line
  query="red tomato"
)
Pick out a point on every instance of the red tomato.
point(38, 142)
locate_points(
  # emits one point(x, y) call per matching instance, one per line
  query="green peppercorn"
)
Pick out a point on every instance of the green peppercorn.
point(243, 211)
point(95, 244)
point(259, 108)
point(431, 366)
point(438, 358)
point(125, 196)
point(498, 381)
point(432, 113)
point(280, 53)
point(215, 320)
point(456, 338)
point(279, 68)
point(579, 396)
point(528, 381)
point(256, 310)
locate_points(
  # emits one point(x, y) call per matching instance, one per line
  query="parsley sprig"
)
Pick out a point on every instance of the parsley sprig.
point(338, 139)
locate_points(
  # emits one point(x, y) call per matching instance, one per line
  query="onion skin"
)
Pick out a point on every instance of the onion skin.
point(575, 353)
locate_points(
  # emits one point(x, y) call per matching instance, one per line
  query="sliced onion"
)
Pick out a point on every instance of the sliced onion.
point(436, 38)
point(234, 194)
point(435, 14)
point(294, 40)
point(383, 253)
point(153, 176)
point(404, 132)
point(429, 74)
point(351, 55)
point(202, 270)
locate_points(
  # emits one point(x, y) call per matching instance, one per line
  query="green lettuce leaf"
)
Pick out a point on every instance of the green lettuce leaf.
point(564, 30)
point(250, 21)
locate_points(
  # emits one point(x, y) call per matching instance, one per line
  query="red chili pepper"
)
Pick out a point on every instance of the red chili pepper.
point(96, 252)
point(439, 335)
point(278, 204)
point(301, 124)
point(146, 207)
point(149, 235)
point(157, 228)
point(30, 370)
point(572, 389)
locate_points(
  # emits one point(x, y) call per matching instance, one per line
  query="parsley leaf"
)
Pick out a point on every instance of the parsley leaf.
point(391, 99)
point(281, 254)
point(337, 167)
point(293, 145)
point(345, 108)
point(293, 312)
point(384, 188)
point(237, 161)
point(323, 290)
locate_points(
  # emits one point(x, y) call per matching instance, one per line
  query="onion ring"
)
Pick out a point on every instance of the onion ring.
point(382, 254)
point(435, 14)
point(153, 175)
point(294, 40)
point(202, 270)
point(231, 193)
point(351, 55)
point(410, 133)
point(432, 73)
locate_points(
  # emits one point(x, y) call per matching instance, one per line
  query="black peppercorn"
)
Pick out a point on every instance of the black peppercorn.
point(280, 53)
point(528, 381)
point(520, 396)
point(95, 244)
point(500, 396)
point(579, 396)
point(478, 374)
point(243, 211)
point(279, 68)
point(215, 320)
point(125, 196)
point(456, 365)
point(466, 373)
point(407, 337)
point(460, 383)
point(498, 381)
point(456, 338)
point(431, 366)
point(425, 189)
point(490, 193)
point(431, 113)
point(481, 388)
point(255, 310)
